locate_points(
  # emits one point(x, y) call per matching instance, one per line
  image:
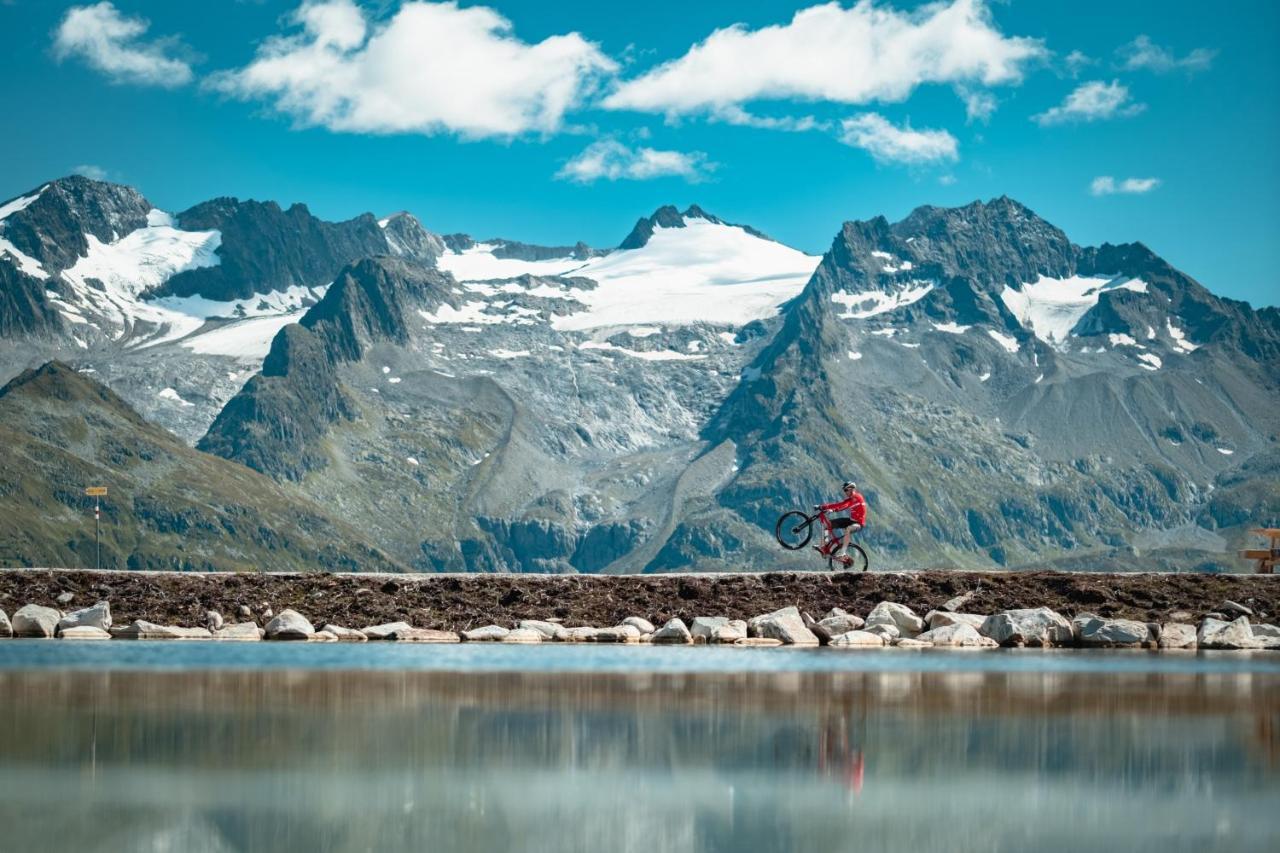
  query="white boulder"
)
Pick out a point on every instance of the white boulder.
point(384, 632)
point(487, 634)
point(522, 636)
point(857, 639)
point(944, 618)
point(6, 627)
point(240, 632)
point(97, 616)
point(1177, 635)
point(548, 630)
point(786, 625)
point(898, 615)
point(674, 632)
point(838, 621)
point(705, 626)
point(36, 621)
point(961, 635)
point(1217, 634)
point(1113, 632)
point(289, 625)
point(345, 635)
point(644, 626)
point(1031, 626)
point(730, 632)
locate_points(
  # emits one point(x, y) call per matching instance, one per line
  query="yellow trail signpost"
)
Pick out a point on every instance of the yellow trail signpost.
point(97, 493)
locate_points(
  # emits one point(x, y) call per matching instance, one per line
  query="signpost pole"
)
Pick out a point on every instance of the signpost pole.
point(96, 492)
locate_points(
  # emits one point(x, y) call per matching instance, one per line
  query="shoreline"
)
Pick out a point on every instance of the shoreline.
point(905, 610)
point(462, 602)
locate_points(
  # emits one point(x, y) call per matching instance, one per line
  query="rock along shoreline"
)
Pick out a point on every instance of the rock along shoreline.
point(906, 610)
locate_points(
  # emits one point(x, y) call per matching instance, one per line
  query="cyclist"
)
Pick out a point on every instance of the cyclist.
point(856, 504)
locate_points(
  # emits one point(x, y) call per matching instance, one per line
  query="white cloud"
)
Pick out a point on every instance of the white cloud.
point(1090, 102)
point(1107, 185)
point(1076, 62)
point(109, 42)
point(1143, 53)
point(430, 68)
point(97, 173)
point(734, 114)
point(828, 53)
point(612, 160)
point(979, 105)
point(888, 143)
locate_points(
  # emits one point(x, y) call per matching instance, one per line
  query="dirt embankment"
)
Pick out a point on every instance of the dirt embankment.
point(457, 602)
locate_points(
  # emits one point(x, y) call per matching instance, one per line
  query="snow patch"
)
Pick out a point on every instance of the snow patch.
point(1225, 452)
point(951, 328)
point(869, 303)
point(412, 461)
point(173, 396)
point(1120, 340)
point(1150, 361)
point(854, 356)
point(1051, 307)
point(510, 353)
point(246, 340)
point(1009, 342)
point(705, 272)
point(984, 377)
point(658, 355)
point(1179, 337)
point(21, 203)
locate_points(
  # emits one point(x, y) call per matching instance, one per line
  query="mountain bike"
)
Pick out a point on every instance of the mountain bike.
point(795, 528)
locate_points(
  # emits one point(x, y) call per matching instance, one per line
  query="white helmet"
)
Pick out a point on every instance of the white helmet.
point(849, 484)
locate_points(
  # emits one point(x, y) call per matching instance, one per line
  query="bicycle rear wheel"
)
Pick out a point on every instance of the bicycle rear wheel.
point(793, 530)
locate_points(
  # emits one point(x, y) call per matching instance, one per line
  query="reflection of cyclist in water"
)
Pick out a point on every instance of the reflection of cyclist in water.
point(836, 755)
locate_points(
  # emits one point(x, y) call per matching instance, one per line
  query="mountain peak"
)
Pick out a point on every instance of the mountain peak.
point(669, 216)
point(58, 381)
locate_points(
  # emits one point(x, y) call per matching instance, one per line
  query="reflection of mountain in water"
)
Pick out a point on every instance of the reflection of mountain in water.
point(356, 761)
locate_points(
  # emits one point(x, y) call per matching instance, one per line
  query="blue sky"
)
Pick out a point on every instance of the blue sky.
point(560, 122)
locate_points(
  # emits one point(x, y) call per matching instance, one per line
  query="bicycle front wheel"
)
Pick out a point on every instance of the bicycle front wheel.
point(793, 530)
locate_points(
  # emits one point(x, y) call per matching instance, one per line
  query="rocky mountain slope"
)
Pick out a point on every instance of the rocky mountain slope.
point(1006, 397)
point(168, 506)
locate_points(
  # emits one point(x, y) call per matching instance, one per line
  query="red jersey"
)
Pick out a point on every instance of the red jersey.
point(857, 506)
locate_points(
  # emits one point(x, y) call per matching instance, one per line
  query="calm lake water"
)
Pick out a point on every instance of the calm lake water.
point(280, 747)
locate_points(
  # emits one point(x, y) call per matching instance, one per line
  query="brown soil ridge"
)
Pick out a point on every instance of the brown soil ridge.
point(461, 602)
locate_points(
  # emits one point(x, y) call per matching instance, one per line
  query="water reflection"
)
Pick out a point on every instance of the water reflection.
point(340, 761)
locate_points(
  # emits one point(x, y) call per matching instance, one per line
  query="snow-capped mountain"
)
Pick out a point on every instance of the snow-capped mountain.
point(1006, 397)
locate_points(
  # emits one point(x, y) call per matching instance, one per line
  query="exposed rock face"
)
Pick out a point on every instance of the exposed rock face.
point(837, 621)
point(35, 621)
point(289, 625)
point(1037, 626)
point(97, 616)
point(899, 616)
point(668, 216)
point(1177, 635)
point(785, 625)
point(265, 248)
point(55, 228)
point(275, 423)
point(25, 309)
point(1217, 634)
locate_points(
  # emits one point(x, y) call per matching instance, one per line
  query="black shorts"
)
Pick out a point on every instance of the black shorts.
point(841, 523)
